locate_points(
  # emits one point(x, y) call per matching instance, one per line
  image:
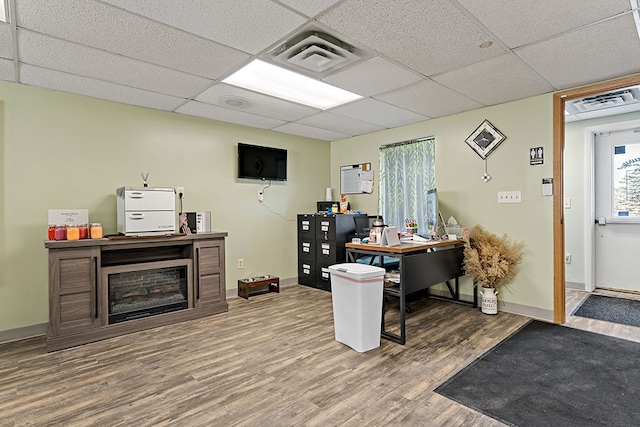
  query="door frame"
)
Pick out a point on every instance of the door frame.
point(559, 98)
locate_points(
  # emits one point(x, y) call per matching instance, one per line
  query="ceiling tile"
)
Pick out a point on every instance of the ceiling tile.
point(7, 70)
point(542, 19)
point(43, 51)
point(208, 111)
point(115, 30)
point(310, 132)
point(64, 82)
point(250, 26)
point(262, 105)
point(429, 99)
point(494, 81)
point(589, 55)
point(6, 41)
point(373, 111)
point(310, 7)
point(428, 37)
point(341, 124)
point(373, 77)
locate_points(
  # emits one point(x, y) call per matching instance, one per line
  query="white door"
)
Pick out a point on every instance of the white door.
point(617, 210)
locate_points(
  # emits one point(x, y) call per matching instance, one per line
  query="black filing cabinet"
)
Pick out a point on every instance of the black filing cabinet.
point(321, 240)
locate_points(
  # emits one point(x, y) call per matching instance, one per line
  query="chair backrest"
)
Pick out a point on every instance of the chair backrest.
point(362, 225)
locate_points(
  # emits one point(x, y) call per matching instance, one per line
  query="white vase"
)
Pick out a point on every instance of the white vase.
point(489, 303)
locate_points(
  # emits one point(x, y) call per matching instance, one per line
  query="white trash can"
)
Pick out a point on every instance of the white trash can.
point(356, 292)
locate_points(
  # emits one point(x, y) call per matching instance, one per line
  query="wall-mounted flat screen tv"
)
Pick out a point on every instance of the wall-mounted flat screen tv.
point(265, 163)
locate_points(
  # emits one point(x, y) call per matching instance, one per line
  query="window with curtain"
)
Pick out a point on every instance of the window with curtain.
point(407, 173)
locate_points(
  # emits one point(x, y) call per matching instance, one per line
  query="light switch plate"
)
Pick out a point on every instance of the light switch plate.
point(509, 197)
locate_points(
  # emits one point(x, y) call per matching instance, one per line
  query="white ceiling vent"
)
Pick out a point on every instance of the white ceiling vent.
point(615, 99)
point(315, 52)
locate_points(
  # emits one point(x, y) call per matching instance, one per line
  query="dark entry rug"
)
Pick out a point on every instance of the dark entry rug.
point(550, 375)
point(616, 310)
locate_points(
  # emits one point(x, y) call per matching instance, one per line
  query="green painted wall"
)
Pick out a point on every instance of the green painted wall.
point(461, 192)
point(59, 150)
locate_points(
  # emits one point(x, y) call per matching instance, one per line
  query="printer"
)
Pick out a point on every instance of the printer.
point(146, 211)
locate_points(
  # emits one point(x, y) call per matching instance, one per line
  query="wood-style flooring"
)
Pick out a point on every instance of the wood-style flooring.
point(271, 360)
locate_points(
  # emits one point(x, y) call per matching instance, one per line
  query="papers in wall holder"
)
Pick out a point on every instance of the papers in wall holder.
point(356, 179)
point(366, 187)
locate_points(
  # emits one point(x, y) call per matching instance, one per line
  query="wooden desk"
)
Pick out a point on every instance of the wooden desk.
point(421, 265)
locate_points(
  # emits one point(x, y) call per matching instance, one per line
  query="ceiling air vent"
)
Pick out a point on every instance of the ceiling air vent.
point(618, 98)
point(315, 52)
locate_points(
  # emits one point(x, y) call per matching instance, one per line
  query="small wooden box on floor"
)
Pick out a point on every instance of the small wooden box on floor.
point(245, 285)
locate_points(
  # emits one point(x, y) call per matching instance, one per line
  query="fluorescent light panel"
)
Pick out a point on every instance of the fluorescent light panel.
point(271, 80)
point(635, 14)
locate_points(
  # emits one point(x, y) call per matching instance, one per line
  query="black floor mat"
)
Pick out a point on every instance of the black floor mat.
point(616, 310)
point(550, 375)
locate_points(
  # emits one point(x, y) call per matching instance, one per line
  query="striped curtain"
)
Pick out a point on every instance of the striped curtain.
point(407, 173)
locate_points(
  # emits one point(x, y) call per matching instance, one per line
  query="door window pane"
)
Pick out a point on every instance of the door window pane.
point(626, 180)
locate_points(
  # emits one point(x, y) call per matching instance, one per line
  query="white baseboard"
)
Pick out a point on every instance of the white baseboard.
point(508, 307)
point(23, 333)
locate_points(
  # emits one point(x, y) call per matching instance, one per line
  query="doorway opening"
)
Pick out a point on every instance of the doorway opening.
point(559, 100)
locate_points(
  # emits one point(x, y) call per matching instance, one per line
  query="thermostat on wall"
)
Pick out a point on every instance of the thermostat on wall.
point(547, 186)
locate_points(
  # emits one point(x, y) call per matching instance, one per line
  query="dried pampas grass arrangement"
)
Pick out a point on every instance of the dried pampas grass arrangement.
point(491, 260)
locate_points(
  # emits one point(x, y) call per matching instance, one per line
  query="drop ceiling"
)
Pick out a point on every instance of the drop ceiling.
point(410, 60)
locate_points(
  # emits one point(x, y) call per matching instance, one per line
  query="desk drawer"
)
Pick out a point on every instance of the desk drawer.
point(306, 249)
point(323, 277)
point(325, 227)
point(306, 226)
point(327, 252)
point(307, 273)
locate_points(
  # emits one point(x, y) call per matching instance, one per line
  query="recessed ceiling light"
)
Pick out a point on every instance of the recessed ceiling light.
point(486, 44)
point(235, 101)
point(635, 14)
point(269, 79)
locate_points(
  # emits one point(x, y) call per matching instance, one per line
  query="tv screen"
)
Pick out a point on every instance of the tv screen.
point(265, 163)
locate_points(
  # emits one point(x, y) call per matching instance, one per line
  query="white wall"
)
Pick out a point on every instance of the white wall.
point(461, 192)
point(66, 151)
point(576, 187)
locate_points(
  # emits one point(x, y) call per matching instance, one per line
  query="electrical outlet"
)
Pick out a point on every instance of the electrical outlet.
point(509, 197)
point(179, 191)
point(260, 196)
point(567, 258)
point(240, 263)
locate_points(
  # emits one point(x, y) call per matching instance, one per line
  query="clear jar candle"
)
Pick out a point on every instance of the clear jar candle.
point(96, 230)
point(60, 232)
point(84, 231)
point(73, 232)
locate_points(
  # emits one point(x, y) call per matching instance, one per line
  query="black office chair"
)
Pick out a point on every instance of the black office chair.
point(362, 226)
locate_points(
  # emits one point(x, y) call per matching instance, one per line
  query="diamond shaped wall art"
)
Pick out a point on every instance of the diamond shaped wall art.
point(485, 139)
